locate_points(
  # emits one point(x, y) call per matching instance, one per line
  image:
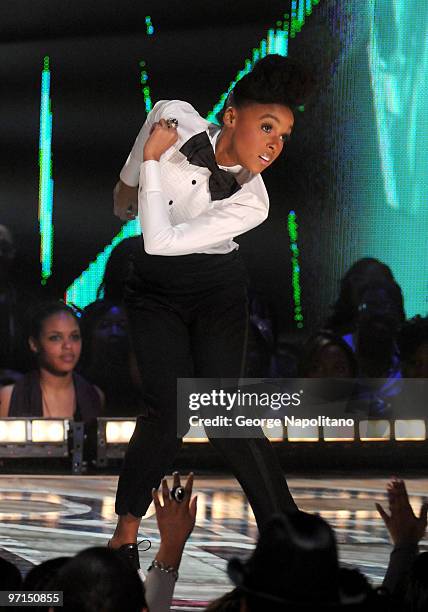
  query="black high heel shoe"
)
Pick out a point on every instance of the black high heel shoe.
point(129, 552)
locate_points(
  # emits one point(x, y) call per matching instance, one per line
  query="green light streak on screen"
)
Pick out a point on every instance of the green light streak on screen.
point(83, 290)
point(276, 41)
point(295, 268)
point(149, 26)
point(46, 183)
point(145, 89)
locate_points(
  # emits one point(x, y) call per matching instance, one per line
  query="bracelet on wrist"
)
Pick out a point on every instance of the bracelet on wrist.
point(167, 569)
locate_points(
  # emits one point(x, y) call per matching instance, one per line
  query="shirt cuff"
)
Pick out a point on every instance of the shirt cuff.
point(130, 172)
point(150, 176)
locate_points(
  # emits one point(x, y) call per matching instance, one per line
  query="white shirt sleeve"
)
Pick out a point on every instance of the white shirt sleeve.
point(164, 109)
point(159, 590)
point(228, 218)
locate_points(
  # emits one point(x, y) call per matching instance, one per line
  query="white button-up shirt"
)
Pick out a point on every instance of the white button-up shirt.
point(176, 213)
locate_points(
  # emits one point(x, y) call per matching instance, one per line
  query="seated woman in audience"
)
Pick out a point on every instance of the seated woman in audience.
point(363, 272)
point(108, 360)
point(53, 389)
point(374, 340)
point(326, 355)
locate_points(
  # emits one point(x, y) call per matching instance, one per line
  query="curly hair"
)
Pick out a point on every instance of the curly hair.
point(37, 315)
point(345, 310)
point(273, 80)
point(316, 343)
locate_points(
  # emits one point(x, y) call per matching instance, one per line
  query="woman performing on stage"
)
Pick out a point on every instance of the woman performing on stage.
point(199, 186)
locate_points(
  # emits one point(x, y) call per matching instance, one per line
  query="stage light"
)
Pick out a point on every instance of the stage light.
point(274, 434)
point(112, 437)
point(31, 438)
point(47, 430)
point(375, 431)
point(275, 438)
point(411, 430)
point(344, 433)
point(298, 434)
point(13, 431)
point(119, 431)
point(196, 434)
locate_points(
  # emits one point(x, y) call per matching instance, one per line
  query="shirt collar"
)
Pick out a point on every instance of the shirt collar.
point(213, 134)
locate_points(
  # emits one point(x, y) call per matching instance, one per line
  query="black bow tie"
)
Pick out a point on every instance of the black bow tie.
point(199, 152)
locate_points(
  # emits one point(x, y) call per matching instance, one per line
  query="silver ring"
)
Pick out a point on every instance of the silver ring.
point(172, 122)
point(178, 494)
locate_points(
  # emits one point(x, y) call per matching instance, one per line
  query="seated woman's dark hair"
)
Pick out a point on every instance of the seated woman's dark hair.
point(362, 272)
point(42, 311)
point(273, 80)
point(99, 579)
point(41, 575)
point(314, 346)
point(10, 576)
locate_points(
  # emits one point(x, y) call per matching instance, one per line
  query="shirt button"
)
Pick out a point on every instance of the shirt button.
point(171, 202)
point(193, 182)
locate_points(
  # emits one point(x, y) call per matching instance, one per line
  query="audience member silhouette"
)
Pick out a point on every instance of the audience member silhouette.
point(295, 567)
point(10, 576)
point(108, 359)
point(366, 271)
point(99, 579)
point(326, 355)
point(116, 271)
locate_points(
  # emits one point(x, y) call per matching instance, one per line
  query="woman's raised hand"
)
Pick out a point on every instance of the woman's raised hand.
point(404, 527)
point(162, 136)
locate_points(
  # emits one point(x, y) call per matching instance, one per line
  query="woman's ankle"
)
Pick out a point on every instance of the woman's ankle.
point(126, 531)
point(116, 542)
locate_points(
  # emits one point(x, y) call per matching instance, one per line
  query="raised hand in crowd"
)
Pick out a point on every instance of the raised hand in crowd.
point(405, 528)
point(176, 519)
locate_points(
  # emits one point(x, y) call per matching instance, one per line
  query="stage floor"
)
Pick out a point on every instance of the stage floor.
point(47, 516)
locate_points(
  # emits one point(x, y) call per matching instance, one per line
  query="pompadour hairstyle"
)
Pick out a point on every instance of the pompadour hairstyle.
point(273, 80)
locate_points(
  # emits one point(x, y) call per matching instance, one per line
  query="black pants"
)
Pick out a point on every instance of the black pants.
point(188, 318)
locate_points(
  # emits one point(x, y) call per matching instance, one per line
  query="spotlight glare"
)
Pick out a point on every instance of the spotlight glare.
point(375, 431)
point(344, 433)
point(12, 431)
point(48, 431)
point(408, 429)
point(119, 432)
point(298, 434)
